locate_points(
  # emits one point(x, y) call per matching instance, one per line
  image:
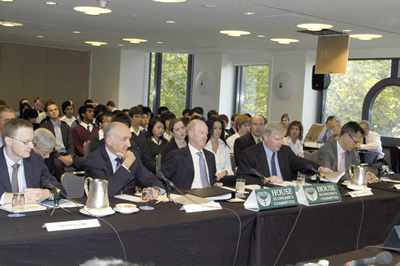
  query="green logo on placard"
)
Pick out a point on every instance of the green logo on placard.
point(322, 193)
point(273, 198)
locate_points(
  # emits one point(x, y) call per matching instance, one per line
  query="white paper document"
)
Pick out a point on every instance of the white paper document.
point(390, 180)
point(127, 197)
point(210, 206)
point(26, 208)
point(331, 177)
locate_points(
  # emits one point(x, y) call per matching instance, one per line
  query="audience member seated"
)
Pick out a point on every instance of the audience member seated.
point(319, 132)
point(225, 120)
point(197, 111)
point(340, 154)
point(85, 130)
point(136, 113)
point(151, 144)
point(37, 105)
point(23, 103)
point(111, 106)
point(294, 135)
point(68, 111)
point(120, 116)
point(44, 144)
point(211, 113)
point(178, 140)
point(273, 160)
point(234, 127)
point(217, 145)
point(6, 114)
point(192, 166)
point(242, 122)
point(251, 138)
point(372, 142)
point(121, 167)
point(102, 121)
point(166, 117)
point(161, 110)
point(185, 113)
point(285, 120)
point(64, 153)
point(147, 115)
point(336, 131)
point(22, 171)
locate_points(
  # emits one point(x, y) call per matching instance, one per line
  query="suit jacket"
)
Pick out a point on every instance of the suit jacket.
point(79, 136)
point(327, 156)
point(314, 132)
point(230, 131)
point(168, 147)
point(36, 173)
point(66, 137)
point(241, 144)
point(255, 157)
point(178, 167)
point(98, 165)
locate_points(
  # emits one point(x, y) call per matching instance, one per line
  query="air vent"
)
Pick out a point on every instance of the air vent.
point(322, 32)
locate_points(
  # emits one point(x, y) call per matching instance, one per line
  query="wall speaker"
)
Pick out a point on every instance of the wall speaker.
point(320, 81)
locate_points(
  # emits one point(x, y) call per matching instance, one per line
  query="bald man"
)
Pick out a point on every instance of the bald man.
point(192, 166)
point(121, 167)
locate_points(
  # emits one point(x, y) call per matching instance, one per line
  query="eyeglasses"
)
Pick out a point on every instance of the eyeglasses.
point(25, 142)
point(355, 142)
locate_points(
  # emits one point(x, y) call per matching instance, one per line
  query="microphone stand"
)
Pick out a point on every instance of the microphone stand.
point(56, 198)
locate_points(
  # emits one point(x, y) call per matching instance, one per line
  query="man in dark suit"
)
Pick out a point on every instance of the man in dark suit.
point(251, 138)
point(340, 154)
point(192, 166)
point(233, 128)
point(64, 153)
point(273, 160)
point(120, 166)
point(21, 169)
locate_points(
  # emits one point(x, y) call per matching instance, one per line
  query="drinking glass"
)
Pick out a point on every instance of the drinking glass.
point(147, 197)
point(301, 180)
point(18, 204)
point(240, 187)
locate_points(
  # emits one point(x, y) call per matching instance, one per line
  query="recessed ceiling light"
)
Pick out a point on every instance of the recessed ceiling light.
point(249, 13)
point(284, 41)
point(346, 30)
point(10, 24)
point(51, 3)
point(39, 36)
point(134, 40)
point(234, 33)
point(260, 36)
point(170, 1)
point(209, 6)
point(91, 10)
point(170, 22)
point(365, 37)
point(7, 1)
point(120, 45)
point(93, 43)
point(314, 26)
point(160, 42)
point(76, 32)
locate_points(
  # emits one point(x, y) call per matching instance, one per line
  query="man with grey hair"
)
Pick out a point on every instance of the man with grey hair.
point(371, 141)
point(45, 142)
point(273, 160)
point(121, 167)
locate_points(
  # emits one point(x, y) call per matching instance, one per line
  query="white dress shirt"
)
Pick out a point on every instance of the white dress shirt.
point(196, 179)
point(296, 147)
point(222, 157)
point(231, 141)
point(374, 144)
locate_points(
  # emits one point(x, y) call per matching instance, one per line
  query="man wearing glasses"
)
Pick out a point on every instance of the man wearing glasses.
point(21, 170)
point(340, 154)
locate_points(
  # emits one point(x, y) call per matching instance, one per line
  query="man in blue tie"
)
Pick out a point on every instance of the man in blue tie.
point(320, 133)
point(273, 160)
point(192, 166)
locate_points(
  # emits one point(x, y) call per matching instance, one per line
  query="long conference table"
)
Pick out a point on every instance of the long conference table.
point(169, 236)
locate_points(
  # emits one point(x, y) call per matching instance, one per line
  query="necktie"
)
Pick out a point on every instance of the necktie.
point(14, 178)
point(273, 165)
point(88, 128)
point(325, 137)
point(119, 162)
point(364, 140)
point(203, 170)
point(342, 165)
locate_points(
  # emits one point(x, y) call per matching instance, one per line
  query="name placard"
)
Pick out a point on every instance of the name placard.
point(71, 225)
point(319, 194)
point(271, 198)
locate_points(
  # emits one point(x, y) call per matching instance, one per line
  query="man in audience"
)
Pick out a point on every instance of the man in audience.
point(37, 105)
point(45, 142)
point(64, 154)
point(320, 133)
point(136, 115)
point(273, 160)
point(233, 128)
point(192, 166)
point(340, 154)
point(147, 115)
point(372, 142)
point(111, 106)
point(120, 166)
point(336, 131)
point(251, 138)
point(6, 113)
point(85, 130)
point(68, 111)
point(23, 171)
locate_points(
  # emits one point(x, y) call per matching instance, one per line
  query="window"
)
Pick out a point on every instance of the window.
point(252, 88)
point(169, 84)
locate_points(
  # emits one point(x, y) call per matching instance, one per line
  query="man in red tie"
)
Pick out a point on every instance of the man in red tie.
point(85, 130)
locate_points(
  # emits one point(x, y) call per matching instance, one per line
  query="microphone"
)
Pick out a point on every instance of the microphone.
point(160, 175)
point(262, 177)
point(55, 189)
point(382, 258)
point(315, 171)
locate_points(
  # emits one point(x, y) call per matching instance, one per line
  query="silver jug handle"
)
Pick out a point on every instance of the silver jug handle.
point(351, 170)
point(87, 186)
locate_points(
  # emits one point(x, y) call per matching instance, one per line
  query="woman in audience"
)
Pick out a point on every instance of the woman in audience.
point(178, 131)
point(166, 117)
point(216, 144)
point(152, 142)
point(294, 136)
point(285, 120)
point(102, 121)
point(243, 127)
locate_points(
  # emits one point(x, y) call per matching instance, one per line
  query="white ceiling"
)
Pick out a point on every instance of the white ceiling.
point(197, 28)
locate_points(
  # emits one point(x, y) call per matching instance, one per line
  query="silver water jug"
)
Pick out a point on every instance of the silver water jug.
point(358, 174)
point(97, 194)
